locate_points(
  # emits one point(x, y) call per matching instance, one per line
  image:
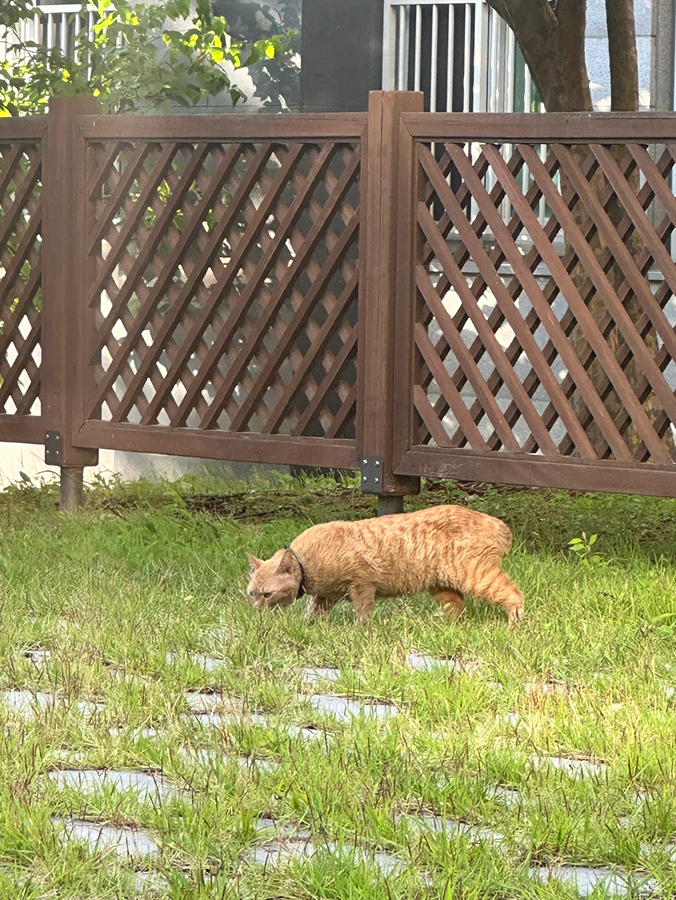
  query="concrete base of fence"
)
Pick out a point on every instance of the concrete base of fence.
point(72, 489)
point(389, 504)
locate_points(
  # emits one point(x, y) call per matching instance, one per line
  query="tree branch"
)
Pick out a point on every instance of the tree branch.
point(552, 42)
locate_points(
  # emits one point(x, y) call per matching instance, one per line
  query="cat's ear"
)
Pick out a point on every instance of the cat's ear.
point(286, 564)
point(254, 563)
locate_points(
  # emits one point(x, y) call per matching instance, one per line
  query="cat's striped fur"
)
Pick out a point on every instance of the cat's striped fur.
point(445, 550)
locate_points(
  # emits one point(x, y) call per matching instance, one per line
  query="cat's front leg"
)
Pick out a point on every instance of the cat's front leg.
point(363, 598)
point(318, 606)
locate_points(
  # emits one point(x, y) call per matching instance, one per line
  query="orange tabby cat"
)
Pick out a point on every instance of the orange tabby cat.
point(446, 550)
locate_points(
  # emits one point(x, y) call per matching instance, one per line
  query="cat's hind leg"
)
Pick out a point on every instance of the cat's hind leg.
point(363, 598)
point(450, 601)
point(497, 588)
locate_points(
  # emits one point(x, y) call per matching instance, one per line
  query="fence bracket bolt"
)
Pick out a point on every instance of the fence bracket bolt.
point(371, 475)
point(53, 448)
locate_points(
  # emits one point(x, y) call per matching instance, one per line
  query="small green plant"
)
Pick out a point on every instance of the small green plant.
point(582, 548)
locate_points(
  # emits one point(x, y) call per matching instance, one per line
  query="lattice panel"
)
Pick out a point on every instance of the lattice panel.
point(546, 311)
point(20, 278)
point(225, 285)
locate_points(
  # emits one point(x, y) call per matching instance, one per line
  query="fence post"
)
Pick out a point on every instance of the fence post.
point(377, 353)
point(63, 296)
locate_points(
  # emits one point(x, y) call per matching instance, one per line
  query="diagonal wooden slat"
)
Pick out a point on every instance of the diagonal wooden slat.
point(466, 360)
point(429, 416)
point(606, 324)
point(9, 378)
point(615, 307)
point(185, 295)
point(496, 318)
point(121, 192)
point(24, 190)
point(160, 286)
point(10, 166)
point(493, 347)
point(142, 261)
point(24, 307)
point(446, 386)
point(105, 160)
point(291, 332)
point(325, 334)
point(311, 239)
point(348, 349)
point(207, 258)
point(346, 411)
point(526, 278)
point(653, 244)
point(551, 323)
point(218, 293)
point(13, 270)
point(655, 178)
point(603, 353)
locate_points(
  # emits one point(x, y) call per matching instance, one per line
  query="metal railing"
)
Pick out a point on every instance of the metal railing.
point(460, 53)
point(53, 26)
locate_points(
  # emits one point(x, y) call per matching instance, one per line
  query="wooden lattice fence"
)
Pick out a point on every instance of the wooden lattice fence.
point(477, 297)
point(21, 282)
point(540, 272)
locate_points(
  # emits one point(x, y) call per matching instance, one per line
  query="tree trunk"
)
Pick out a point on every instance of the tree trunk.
point(552, 40)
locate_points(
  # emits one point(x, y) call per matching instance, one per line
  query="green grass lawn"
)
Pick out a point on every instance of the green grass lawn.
point(127, 645)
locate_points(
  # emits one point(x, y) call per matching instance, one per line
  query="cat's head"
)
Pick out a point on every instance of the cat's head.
point(275, 581)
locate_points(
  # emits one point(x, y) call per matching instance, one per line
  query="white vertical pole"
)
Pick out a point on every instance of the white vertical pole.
point(389, 49)
point(78, 28)
point(402, 48)
point(418, 47)
point(434, 58)
point(527, 89)
point(450, 57)
point(509, 69)
point(492, 72)
point(466, 98)
point(480, 42)
point(64, 33)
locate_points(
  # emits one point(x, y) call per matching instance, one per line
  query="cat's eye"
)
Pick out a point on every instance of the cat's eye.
point(266, 594)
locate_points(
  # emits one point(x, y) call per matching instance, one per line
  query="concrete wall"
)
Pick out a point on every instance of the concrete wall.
point(28, 459)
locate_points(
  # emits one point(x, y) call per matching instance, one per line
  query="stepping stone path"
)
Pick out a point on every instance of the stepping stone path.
point(314, 676)
point(291, 843)
point(135, 733)
point(426, 822)
point(26, 704)
point(279, 843)
point(423, 663)
point(344, 710)
point(39, 658)
point(125, 842)
point(509, 797)
point(202, 708)
point(147, 786)
point(213, 758)
point(574, 768)
point(586, 879)
point(208, 663)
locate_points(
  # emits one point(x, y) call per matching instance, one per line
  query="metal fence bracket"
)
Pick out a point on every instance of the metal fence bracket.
point(53, 448)
point(371, 475)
